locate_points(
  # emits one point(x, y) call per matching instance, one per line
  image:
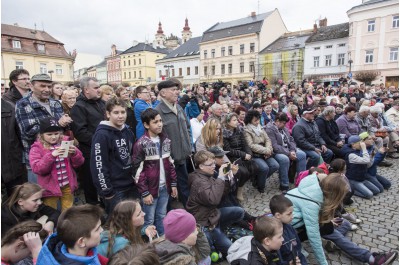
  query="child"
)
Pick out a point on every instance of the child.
point(282, 209)
point(183, 242)
point(21, 241)
point(78, 235)
point(125, 227)
point(155, 174)
point(263, 248)
point(55, 174)
point(137, 254)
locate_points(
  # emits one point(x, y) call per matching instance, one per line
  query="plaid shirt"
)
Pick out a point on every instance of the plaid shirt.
point(28, 112)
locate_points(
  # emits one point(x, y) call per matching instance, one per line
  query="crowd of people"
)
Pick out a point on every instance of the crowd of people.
point(163, 170)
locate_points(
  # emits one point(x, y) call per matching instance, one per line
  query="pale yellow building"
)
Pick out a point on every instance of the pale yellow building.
point(36, 51)
point(374, 39)
point(138, 63)
point(229, 50)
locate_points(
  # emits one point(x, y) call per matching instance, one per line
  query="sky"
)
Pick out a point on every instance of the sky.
point(92, 26)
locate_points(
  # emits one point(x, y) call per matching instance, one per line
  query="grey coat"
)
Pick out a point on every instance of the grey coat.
point(307, 136)
point(277, 142)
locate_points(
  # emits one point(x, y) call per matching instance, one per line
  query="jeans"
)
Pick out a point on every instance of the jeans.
point(32, 177)
point(121, 195)
point(338, 237)
point(283, 163)
point(265, 168)
point(315, 157)
point(380, 182)
point(156, 212)
point(300, 161)
point(182, 179)
point(216, 237)
point(364, 189)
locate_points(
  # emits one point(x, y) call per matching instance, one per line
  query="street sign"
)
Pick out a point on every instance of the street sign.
point(350, 75)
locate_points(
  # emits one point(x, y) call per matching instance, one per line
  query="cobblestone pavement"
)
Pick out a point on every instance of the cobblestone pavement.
point(379, 230)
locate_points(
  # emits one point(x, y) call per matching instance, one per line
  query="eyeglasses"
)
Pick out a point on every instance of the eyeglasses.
point(210, 165)
point(25, 79)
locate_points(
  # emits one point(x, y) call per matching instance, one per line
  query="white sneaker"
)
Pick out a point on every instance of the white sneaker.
point(351, 218)
point(354, 227)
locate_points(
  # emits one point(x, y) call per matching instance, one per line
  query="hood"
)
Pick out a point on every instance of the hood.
point(12, 95)
point(309, 187)
point(171, 253)
point(240, 249)
point(106, 125)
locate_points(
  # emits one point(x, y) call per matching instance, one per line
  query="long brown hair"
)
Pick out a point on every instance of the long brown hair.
point(20, 229)
point(120, 223)
point(334, 188)
point(208, 133)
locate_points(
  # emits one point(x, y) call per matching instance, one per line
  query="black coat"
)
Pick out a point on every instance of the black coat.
point(329, 130)
point(306, 135)
point(235, 143)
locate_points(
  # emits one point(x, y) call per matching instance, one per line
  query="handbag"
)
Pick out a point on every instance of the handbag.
point(381, 134)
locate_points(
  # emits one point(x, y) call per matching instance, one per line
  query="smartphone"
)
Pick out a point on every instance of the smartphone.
point(234, 162)
point(65, 145)
point(227, 168)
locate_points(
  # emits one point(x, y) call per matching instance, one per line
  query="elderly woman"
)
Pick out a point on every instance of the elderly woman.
point(68, 100)
point(293, 115)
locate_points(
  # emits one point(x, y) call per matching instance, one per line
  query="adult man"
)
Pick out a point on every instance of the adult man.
point(285, 149)
point(200, 93)
point(308, 139)
point(216, 111)
point(87, 113)
point(20, 85)
point(35, 106)
point(177, 127)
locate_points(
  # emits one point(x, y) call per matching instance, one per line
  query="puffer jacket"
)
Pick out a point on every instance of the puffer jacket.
point(235, 144)
point(205, 195)
point(146, 164)
point(259, 144)
point(306, 135)
point(307, 201)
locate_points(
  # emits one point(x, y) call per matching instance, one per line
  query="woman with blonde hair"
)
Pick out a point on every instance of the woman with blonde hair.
point(293, 115)
point(106, 92)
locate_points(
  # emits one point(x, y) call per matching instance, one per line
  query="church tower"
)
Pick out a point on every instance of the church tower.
point(186, 33)
point(160, 37)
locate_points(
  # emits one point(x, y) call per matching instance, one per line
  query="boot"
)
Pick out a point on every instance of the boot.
point(239, 194)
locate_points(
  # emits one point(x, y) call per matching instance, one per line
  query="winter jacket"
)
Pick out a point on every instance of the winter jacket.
point(140, 105)
point(291, 241)
point(364, 123)
point(267, 119)
point(86, 115)
point(54, 252)
point(329, 130)
point(28, 112)
point(177, 127)
point(248, 251)
point(307, 200)
point(292, 121)
point(277, 141)
point(174, 254)
point(354, 171)
point(146, 165)
point(119, 243)
point(205, 195)
point(393, 115)
point(12, 95)
point(348, 127)
point(13, 216)
point(43, 163)
point(306, 135)
point(260, 145)
point(235, 144)
point(11, 147)
point(111, 154)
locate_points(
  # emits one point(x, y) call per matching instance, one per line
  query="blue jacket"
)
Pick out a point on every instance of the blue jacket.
point(54, 252)
point(139, 106)
point(119, 243)
point(307, 200)
point(111, 154)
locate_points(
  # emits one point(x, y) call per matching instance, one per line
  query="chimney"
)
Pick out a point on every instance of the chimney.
point(315, 28)
point(253, 14)
point(323, 22)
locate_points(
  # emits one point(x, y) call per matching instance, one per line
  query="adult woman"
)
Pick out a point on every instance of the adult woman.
point(68, 100)
point(315, 202)
point(260, 144)
point(123, 94)
point(56, 91)
point(25, 203)
point(106, 92)
point(241, 112)
point(293, 115)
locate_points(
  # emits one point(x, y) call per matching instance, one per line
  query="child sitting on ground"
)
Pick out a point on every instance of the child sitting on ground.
point(21, 241)
point(135, 255)
point(78, 235)
point(282, 209)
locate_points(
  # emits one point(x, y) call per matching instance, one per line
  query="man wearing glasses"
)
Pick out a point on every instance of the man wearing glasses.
point(20, 85)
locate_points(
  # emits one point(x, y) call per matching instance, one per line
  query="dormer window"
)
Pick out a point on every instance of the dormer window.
point(16, 44)
point(40, 47)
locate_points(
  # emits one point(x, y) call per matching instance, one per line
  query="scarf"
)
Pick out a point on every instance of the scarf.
point(257, 129)
point(171, 106)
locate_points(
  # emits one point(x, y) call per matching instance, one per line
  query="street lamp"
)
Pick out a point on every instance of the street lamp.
point(168, 66)
point(350, 75)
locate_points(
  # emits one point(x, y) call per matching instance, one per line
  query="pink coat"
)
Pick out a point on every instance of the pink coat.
point(43, 164)
point(290, 124)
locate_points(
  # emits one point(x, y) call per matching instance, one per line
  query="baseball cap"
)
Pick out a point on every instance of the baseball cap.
point(308, 110)
point(354, 139)
point(217, 151)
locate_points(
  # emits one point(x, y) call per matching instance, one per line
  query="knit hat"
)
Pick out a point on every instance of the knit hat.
point(49, 124)
point(354, 139)
point(178, 225)
point(363, 135)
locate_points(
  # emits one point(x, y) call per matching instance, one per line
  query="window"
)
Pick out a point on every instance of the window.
point(222, 69)
point(205, 54)
point(188, 71)
point(242, 67)
point(129, 62)
point(213, 53)
point(340, 59)
point(124, 63)
point(328, 46)
point(140, 61)
point(230, 68)
point(252, 47)
point(394, 54)
point(40, 47)
point(134, 61)
point(173, 72)
point(16, 44)
point(43, 68)
point(140, 74)
point(316, 61)
point(395, 22)
point(124, 75)
point(230, 50)
point(251, 67)
point(369, 56)
point(196, 70)
point(317, 48)
point(129, 75)
point(222, 51)
point(19, 65)
point(328, 60)
point(205, 70)
point(59, 70)
point(159, 73)
point(241, 48)
point(213, 70)
point(180, 71)
point(371, 25)
point(342, 44)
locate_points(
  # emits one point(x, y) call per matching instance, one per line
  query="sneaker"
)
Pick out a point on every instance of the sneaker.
point(385, 163)
point(383, 258)
point(353, 227)
point(351, 218)
point(329, 245)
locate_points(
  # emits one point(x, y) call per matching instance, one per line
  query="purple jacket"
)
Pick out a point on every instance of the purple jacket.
point(43, 164)
point(348, 127)
point(146, 164)
point(277, 142)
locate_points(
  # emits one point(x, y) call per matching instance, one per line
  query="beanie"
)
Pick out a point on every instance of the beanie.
point(178, 225)
point(49, 124)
